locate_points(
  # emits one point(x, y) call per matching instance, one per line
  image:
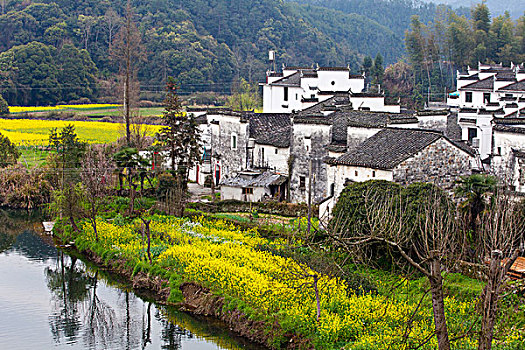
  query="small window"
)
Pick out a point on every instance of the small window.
point(373, 173)
point(234, 141)
point(276, 151)
point(262, 154)
point(307, 148)
point(296, 96)
point(499, 151)
point(472, 133)
point(356, 173)
point(302, 182)
point(333, 82)
point(286, 93)
point(468, 96)
point(332, 189)
point(247, 190)
point(486, 97)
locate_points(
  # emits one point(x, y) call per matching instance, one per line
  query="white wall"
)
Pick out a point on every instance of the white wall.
point(278, 162)
point(273, 99)
point(375, 104)
point(338, 175)
point(229, 192)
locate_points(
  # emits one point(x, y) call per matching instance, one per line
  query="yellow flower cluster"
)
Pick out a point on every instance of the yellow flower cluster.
point(16, 109)
point(231, 263)
point(28, 132)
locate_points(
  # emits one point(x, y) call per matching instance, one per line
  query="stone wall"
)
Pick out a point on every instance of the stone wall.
point(441, 163)
point(309, 141)
point(231, 159)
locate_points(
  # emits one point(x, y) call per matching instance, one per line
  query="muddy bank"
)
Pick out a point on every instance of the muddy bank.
point(200, 301)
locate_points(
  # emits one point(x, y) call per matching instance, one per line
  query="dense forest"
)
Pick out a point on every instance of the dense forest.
point(436, 50)
point(59, 50)
point(498, 7)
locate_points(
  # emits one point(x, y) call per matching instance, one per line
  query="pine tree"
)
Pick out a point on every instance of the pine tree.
point(378, 71)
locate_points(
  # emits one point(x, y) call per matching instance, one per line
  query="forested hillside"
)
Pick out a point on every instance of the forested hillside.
point(516, 8)
point(205, 44)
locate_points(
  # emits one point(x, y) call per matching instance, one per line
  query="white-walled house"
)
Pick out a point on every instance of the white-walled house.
point(251, 186)
point(299, 88)
point(486, 93)
point(403, 156)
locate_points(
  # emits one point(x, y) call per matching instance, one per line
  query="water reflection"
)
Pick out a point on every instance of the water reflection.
point(60, 302)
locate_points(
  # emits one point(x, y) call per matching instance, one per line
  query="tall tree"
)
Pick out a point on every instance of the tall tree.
point(501, 234)
point(180, 136)
point(97, 169)
point(128, 52)
point(244, 96)
point(367, 66)
point(378, 71)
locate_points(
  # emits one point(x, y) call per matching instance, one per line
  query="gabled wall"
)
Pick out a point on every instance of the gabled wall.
point(309, 141)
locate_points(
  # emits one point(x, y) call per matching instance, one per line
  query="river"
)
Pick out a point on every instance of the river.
point(51, 299)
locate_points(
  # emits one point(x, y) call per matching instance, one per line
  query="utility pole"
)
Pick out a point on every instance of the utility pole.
point(309, 196)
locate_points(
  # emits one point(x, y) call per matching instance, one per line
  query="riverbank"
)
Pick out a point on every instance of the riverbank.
point(214, 268)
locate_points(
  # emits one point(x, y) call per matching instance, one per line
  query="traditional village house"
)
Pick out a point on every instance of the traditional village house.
point(403, 156)
point(486, 93)
point(298, 88)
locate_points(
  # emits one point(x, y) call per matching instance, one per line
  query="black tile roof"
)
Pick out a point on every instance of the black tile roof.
point(453, 131)
point(518, 87)
point(506, 128)
point(468, 110)
point(387, 148)
point(262, 180)
point(290, 80)
point(470, 77)
point(484, 84)
point(270, 129)
point(337, 100)
point(509, 120)
point(335, 69)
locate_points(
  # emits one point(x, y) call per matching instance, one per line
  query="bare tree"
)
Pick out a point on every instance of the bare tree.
point(86, 25)
point(111, 21)
point(128, 52)
point(500, 233)
point(97, 169)
point(3, 4)
point(422, 233)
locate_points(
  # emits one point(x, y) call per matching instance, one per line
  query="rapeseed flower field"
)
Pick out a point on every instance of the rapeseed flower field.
point(32, 132)
point(16, 109)
point(231, 263)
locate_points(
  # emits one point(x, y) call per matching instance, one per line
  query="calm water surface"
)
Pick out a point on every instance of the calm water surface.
point(49, 299)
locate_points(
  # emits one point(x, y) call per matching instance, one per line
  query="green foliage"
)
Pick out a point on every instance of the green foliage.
point(8, 152)
point(4, 107)
point(180, 137)
point(244, 97)
point(53, 74)
point(69, 151)
point(378, 70)
point(389, 211)
point(348, 215)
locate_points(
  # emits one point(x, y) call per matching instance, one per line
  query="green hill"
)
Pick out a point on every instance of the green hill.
point(205, 44)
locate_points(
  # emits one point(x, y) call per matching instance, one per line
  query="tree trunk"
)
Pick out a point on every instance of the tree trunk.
point(489, 298)
point(73, 224)
point(438, 305)
point(94, 224)
point(317, 297)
